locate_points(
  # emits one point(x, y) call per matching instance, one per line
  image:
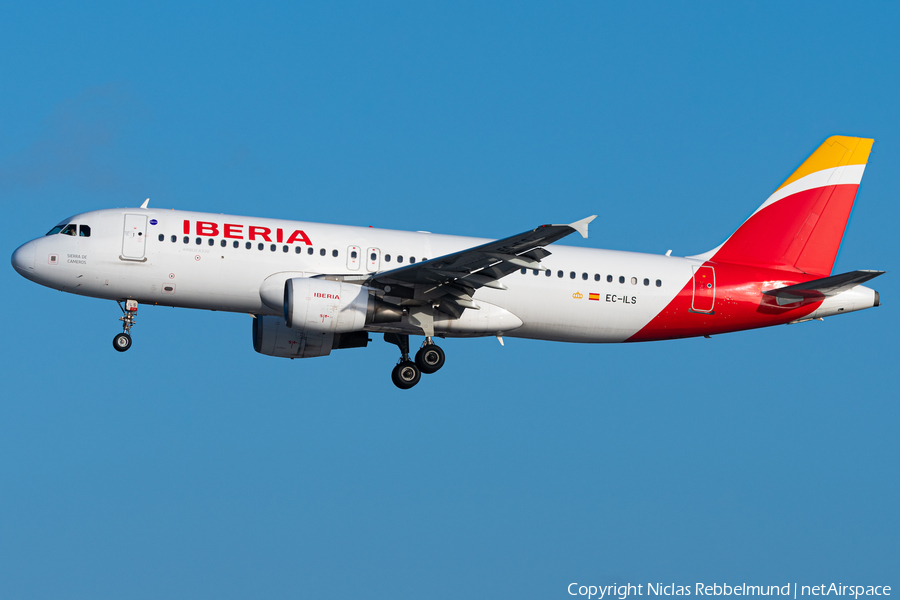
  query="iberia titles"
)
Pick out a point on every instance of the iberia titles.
point(235, 231)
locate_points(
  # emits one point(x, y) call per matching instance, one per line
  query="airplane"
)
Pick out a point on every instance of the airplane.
point(312, 288)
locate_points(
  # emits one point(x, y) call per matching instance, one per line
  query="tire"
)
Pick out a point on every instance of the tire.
point(122, 342)
point(430, 359)
point(405, 375)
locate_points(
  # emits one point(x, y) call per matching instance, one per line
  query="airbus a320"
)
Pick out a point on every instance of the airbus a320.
point(314, 288)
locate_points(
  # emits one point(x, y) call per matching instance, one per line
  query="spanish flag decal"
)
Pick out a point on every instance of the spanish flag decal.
point(593, 296)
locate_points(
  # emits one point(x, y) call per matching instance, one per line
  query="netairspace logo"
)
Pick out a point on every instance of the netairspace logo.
point(625, 590)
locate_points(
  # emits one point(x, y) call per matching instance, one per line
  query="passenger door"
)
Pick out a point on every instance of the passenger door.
point(134, 237)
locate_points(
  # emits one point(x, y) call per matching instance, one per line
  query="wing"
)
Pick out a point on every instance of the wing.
point(448, 282)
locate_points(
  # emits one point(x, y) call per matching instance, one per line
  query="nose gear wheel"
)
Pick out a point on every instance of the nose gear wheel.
point(122, 342)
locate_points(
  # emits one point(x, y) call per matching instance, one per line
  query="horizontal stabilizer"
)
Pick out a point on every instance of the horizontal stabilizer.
point(821, 288)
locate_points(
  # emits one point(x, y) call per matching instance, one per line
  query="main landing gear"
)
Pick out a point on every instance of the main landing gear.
point(428, 360)
point(122, 341)
point(430, 357)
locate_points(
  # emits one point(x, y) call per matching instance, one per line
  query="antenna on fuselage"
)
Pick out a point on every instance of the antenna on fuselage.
point(146, 202)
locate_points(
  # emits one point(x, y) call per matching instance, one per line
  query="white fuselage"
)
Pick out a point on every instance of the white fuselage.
point(206, 271)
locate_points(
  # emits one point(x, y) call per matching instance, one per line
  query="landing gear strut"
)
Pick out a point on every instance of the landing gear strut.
point(407, 373)
point(122, 341)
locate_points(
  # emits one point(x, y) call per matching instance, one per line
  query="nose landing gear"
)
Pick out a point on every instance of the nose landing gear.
point(428, 360)
point(122, 341)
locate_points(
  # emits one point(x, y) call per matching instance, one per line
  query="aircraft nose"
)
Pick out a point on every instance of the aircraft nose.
point(23, 259)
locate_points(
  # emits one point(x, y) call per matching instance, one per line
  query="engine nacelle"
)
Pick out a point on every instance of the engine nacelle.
point(325, 306)
point(273, 338)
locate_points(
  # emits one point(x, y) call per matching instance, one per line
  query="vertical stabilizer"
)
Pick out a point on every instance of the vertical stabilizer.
point(800, 226)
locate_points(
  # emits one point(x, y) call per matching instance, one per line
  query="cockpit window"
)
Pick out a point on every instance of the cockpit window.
point(72, 229)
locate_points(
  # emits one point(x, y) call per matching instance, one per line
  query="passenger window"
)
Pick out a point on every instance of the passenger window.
point(55, 230)
point(412, 259)
point(187, 240)
point(261, 246)
point(523, 270)
point(548, 273)
point(609, 278)
point(559, 274)
point(174, 238)
point(353, 254)
point(284, 249)
point(322, 252)
point(309, 251)
point(212, 242)
point(373, 256)
point(621, 279)
point(536, 272)
point(248, 245)
point(584, 276)
point(646, 281)
point(161, 237)
point(85, 231)
point(223, 243)
point(70, 229)
point(400, 259)
point(236, 244)
point(572, 275)
point(659, 283)
point(297, 249)
point(634, 281)
point(272, 247)
point(334, 253)
point(199, 241)
point(596, 276)
point(387, 258)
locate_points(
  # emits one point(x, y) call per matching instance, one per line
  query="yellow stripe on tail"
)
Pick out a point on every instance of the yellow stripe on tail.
point(836, 151)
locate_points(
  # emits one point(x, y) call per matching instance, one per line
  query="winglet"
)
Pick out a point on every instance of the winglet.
point(146, 202)
point(582, 225)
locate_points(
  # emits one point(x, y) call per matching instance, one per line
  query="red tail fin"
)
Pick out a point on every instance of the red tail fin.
point(800, 226)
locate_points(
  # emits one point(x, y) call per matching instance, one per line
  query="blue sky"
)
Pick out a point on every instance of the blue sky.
point(192, 467)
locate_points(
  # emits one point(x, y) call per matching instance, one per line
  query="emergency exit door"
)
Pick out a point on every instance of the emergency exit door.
point(704, 289)
point(134, 238)
point(353, 258)
point(373, 259)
